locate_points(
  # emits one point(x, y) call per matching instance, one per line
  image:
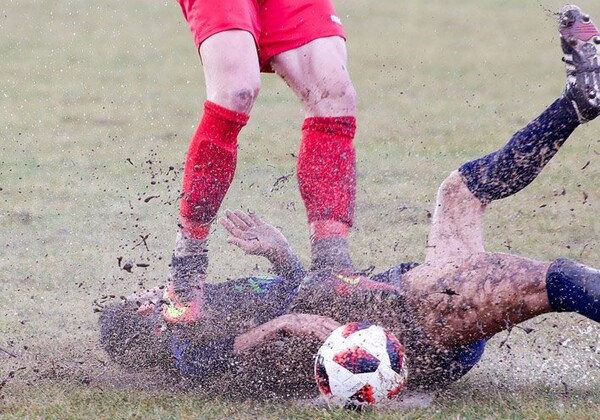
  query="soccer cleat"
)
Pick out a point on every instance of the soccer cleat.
point(177, 312)
point(580, 39)
point(182, 300)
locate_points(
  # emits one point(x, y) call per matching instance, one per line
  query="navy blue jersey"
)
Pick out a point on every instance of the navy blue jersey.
point(236, 306)
point(233, 307)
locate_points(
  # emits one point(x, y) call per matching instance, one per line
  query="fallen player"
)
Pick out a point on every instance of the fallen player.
point(444, 310)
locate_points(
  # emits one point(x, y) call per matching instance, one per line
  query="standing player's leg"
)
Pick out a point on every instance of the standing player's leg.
point(227, 48)
point(457, 225)
point(303, 42)
point(326, 162)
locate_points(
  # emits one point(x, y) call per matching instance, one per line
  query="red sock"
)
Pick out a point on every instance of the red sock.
point(209, 168)
point(327, 174)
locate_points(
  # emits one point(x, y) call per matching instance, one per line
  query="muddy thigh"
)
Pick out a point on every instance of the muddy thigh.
point(459, 301)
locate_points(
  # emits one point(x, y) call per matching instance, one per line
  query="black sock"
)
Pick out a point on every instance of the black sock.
point(514, 166)
point(331, 253)
point(187, 271)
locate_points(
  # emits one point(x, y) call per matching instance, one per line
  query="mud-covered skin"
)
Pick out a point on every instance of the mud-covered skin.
point(457, 224)
point(440, 307)
point(460, 295)
point(458, 302)
point(462, 300)
point(283, 366)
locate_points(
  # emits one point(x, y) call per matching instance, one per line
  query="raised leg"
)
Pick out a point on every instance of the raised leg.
point(457, 222)
point(457, 225)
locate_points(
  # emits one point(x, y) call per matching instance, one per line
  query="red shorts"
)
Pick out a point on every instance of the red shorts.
point(277, 25)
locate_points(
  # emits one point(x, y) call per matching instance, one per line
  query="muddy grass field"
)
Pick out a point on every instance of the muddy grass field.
point(97, 103)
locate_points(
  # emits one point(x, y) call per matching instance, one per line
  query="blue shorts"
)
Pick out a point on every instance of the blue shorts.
point(431, 367)
point(462, 359)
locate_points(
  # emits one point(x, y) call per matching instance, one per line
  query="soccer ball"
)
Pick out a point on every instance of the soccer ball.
point(360, 364)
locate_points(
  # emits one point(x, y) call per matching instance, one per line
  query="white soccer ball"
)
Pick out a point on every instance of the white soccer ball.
point(360, 364)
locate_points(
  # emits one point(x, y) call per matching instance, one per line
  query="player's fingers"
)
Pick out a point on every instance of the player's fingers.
point(327, 323)
point(234, 218)
point(245, 217)
point(240, 243)
point(319, 327)
point(225, 222)
point(227, 218)
point(230, 227)
point(330, 326)
point(326, 327)
point(146, 308)
point(239, 218)
point(323, 332)
point(256, 218)
point(228, 213)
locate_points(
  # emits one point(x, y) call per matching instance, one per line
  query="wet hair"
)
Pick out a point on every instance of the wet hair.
point(131, 340)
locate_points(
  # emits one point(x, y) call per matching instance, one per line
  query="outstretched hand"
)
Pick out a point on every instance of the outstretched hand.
point(254, 236)
point(296, 324)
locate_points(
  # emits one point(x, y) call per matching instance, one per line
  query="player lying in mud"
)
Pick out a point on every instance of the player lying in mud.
point(264, 331)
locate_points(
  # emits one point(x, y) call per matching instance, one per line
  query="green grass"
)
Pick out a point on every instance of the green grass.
point(464, 402)
point(98, 101)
